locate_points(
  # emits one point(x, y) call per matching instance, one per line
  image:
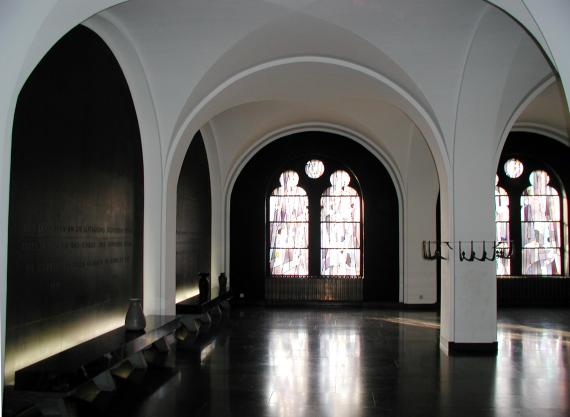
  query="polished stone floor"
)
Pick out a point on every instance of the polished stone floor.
point(356, 362)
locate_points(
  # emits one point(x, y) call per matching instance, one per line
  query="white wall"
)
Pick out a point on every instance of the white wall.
point(133, 71)
point(217, 237)
point(548, 24)
point(422, 189)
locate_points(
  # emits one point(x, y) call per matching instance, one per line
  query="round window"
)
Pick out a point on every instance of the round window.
point(314, 168)
point(514, 168)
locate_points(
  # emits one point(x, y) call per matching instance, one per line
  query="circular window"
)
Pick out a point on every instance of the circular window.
point(514, 168)
point(314, 168)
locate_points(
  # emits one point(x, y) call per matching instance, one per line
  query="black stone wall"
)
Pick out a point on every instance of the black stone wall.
point(76, 199)
point(248, 257)
point(193, 219)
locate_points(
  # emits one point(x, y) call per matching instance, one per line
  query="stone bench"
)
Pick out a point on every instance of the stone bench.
point(49, 382)
point(197, 317)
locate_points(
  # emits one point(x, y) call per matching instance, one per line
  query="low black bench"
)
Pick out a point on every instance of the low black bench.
point(49, 382)
point(197, 317)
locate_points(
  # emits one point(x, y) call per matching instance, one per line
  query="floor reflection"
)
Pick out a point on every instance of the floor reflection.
point(358, 363)
point(307, 360)
point(532, 368)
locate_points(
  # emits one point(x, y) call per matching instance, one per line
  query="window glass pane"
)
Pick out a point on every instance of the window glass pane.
point(288, 209)
point(339, 179)
point(340, 261)
point(340, 227)
point(539, 184)
point(540, 215)
point(501, 205)
point(314, 168)
point(288, 227)
point(503, 264)
point(289, 181)
point(289, 235)
point(340, 208)
point(540, 234)
point(502, 232)
point(540, 208)
point(340, 235)
point(289, 261)
point(514, 168)
point(541, 261)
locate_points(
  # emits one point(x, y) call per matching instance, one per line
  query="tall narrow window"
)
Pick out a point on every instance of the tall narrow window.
point(540, 222)
point(289, 227)
point(340, 227)
point(502, 217)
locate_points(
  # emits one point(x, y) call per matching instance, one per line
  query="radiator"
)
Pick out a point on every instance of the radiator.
point(313, 289)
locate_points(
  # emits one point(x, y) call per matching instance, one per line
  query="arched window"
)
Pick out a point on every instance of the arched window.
point(340, 227)
point(528, 213)
point(502, 217)
point(540, 224)
point(315, 222)
point(289, 227)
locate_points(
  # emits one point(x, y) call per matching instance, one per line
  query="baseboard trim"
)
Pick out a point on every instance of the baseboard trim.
point(478, 349)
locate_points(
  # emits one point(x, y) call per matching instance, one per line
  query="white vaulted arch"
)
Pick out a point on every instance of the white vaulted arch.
point(238, 90)
point(127, 57)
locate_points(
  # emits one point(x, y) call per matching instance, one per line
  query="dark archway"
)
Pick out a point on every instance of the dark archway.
point(380, 206)
point(76, 201)
point(193, 220)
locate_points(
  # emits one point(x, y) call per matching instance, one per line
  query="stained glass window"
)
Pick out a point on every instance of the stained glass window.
point(289, 227)
point(314, 168)
point(340, 227)
point(502, 217)
point(540, 222)
point(514, 168)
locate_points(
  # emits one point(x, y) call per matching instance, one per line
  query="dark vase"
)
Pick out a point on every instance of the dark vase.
point(204, 287)
point(223, 282)
point(135, 320)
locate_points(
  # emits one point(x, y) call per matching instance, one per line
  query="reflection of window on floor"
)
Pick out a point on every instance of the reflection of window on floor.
point(535, 227)
point(289, 227)
point(337, 247)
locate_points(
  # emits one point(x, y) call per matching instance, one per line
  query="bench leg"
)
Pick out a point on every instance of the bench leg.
point(189, 330)
point(162, 345)
point(191, 323)
point(55, 407)
point(206, 320)
point(138, 361)
point(216, 313)
point(105, 381)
